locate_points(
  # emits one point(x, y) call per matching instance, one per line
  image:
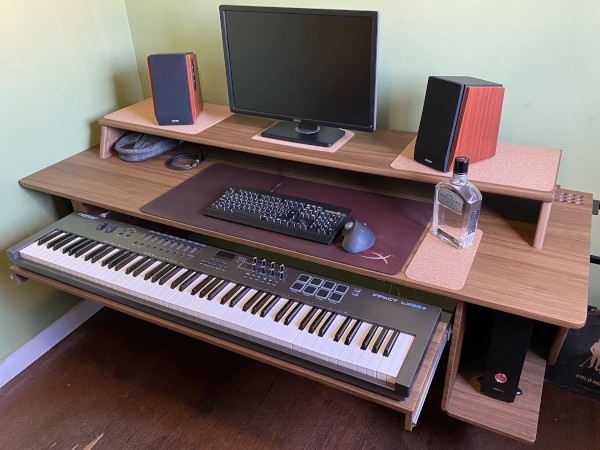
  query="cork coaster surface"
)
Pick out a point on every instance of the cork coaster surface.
point(440, 264)
point(347, 136)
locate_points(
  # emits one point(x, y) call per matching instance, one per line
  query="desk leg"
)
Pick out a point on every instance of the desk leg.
point(108, 137)
point(557, 344)
point(542, 225)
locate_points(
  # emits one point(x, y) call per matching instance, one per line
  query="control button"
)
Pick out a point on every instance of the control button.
point(322, 294)
point(309, 290)
point(501, 378)
point(102, 226)
point(341, 289)
point(329, 285)
point(316, 282)
point(335, 297)
point(111, 228)
point(303, 278)
point(297, 287)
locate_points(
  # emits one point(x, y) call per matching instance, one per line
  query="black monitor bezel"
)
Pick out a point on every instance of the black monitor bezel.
point(223, 9)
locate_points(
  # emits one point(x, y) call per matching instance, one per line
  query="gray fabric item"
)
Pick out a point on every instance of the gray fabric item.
point(134, 146)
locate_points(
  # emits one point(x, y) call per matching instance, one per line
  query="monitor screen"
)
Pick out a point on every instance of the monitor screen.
point(314, 68)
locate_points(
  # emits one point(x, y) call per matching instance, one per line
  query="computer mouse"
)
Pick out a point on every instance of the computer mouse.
point(357, 237)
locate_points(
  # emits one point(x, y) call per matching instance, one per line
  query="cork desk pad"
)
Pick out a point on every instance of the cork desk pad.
point(397, 223)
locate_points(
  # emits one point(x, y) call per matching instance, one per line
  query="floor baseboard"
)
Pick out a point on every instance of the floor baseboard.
point(44, 341)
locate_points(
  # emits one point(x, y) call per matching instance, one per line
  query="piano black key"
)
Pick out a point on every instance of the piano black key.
point(80, 251)
point(327, 324)
point(142, 267)
point(201, 285)
point(83, 242)
point(379, 340)
point(269, 306)
point(181, 278)
point(126, 261)
point(101, 254)
point(231, 293)
point(161, 272)
point(368, 337)
point(48, 236)
point(209, 286)
point(283, 310)
point(238, 297)
point(114, 256)
point(170, 274)
point(307, 318)
point(90, 255)
point(342, 329)
point(388, 348)
point(74, 244)
point(137, 265)
point(189, 281)
point(118, 259)
point(215, 291)
point(292, 314)
point(259, 304)
point(64, 241)
point(58, 239)
point(153, 271)
point(317, 321)
point(352, 332)
point(257, 295)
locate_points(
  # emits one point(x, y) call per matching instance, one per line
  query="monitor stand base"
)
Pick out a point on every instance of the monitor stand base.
point(287, 131)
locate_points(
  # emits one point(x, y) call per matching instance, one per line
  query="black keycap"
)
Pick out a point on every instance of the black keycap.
point(252, 300)
point(283, 310)
point(74, 243)
point(240, 295)
point(342, 329)
point(64, 241)
point(105, 251)
point(327, 324)
point(85, 248)
point(161, 273)
point(259, 304)
point(368, 337)
point(111, 258)
point(379, 340)
point(136, 265)
point(210, 286)
point(317, 321)
point(201, 285)
point(269, 306)
point(90, 255)
point(48, 237)
point(189, 281)
point(82, 243)
point(154, 270)
point(388, 348)
point(126, 261)
point(57, 239)
point(307, 318)
point(118, 258)
point(142, 267)
point(292, 314)
point(212, 294)
point(231, 293)
point(170, 274)
point(181, 278)
point(352, 332)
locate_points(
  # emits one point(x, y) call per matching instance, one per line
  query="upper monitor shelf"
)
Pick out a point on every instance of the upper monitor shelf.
point(517, 170)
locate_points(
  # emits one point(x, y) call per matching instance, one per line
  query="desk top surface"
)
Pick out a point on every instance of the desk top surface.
point(508, 274)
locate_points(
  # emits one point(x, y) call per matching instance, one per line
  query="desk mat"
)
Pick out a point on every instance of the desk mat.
point(397, 223)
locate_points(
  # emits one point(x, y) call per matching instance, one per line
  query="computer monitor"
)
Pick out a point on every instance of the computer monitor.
point(313, 68)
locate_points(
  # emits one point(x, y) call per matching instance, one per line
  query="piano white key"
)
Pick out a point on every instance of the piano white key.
point(344, 350)
point(354, 355)
point(367, 354)
point(323, 346)
point(399, 358)
point(294, 329)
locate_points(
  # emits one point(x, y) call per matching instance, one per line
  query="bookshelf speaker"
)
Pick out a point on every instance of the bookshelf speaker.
point(175, 88)
point(461, 117)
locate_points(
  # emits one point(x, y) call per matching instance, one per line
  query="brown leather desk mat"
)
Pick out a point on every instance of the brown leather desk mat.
point(397, 223)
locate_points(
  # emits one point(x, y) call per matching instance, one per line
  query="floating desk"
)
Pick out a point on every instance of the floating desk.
point(511, 271)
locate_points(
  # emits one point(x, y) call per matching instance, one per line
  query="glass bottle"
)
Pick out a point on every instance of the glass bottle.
point(456, 207)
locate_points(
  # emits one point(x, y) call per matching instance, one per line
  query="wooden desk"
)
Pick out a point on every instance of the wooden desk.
point(549, 285)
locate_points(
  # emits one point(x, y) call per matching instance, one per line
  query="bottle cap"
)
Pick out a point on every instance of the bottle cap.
point(461, 165)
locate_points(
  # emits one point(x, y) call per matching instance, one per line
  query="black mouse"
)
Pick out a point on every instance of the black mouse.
point(357, 237)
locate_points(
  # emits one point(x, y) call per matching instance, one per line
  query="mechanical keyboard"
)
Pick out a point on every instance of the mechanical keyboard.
point(369, 338)
point(294, 216)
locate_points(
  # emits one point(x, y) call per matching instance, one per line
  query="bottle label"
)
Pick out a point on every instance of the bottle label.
point(451, 200)
point(472, 225)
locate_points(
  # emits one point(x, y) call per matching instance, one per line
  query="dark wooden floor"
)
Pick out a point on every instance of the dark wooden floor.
point(120, 383)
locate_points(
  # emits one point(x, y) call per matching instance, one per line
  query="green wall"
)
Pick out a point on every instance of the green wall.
point(64, 64)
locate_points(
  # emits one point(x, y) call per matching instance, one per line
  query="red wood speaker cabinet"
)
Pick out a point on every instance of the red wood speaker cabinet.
point(461, 117)
point(175, 88)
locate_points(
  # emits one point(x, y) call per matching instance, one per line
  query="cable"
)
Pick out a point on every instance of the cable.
point(287, 175)
point(195, 160)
